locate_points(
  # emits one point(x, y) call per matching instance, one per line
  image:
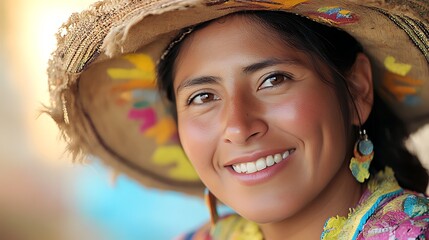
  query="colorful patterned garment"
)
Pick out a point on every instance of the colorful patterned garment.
point(385, 211)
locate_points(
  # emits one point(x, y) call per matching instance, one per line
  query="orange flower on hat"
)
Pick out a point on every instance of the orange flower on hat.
point(274, 4)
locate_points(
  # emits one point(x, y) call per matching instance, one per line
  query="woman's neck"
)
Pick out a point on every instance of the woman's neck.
point(341, 194)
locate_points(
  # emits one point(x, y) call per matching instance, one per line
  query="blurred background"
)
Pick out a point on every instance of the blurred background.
point(42, 194)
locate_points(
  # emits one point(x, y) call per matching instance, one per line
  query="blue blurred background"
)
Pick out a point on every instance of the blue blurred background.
point(43, 195)
point(126, 210)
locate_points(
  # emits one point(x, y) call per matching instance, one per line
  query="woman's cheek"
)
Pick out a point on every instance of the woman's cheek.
point(286, 114)
point(299, 118)
point(196, 135)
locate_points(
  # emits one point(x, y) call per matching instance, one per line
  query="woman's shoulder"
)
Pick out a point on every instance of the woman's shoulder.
point(229, 227)
point(405, 216)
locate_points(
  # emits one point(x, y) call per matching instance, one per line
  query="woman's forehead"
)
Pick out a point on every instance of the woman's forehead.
point(236, 36)
point(222, 35)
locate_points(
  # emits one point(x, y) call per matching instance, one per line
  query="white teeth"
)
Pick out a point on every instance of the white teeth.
point(278, 158)
point(243, 167)
point(270, 161)
point(261, 164)
point(251, 167)
point(285, 154)
point(236, 168)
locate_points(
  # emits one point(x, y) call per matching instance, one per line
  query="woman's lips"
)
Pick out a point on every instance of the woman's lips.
point(262, 163)
point(254, 172)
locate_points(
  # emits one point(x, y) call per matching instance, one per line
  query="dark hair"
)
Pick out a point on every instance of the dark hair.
point(338, 50)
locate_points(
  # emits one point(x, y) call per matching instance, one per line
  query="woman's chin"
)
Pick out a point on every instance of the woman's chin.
point(266, 215)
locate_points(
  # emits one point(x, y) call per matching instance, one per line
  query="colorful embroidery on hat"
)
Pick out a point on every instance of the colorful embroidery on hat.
point(281, 4)
point(131, 81)
point(174, 158)
point(398, 85)
point(137, 86)
point(334, 15)
point(251, 4)
point(147, 117)
point(398, 68)
point(142, 76)
point(163, 131)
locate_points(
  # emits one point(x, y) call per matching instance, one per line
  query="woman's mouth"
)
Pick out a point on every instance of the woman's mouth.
point(261, 163)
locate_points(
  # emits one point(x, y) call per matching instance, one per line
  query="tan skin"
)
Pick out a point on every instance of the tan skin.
point(243, 95)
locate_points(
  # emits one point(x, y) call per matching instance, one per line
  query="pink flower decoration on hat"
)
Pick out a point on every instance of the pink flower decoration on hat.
point(137, 85)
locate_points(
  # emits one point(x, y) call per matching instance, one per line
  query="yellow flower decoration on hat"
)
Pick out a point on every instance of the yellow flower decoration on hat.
point(274, 4)
point(138, 86)
point(397, 84)
point(281, 4)
point(175, 157)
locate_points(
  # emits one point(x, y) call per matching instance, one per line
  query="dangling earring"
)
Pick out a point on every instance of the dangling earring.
point(211, 202)
point(363, 153)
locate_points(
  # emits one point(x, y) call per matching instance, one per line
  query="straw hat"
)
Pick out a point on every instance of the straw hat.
point(103, 82)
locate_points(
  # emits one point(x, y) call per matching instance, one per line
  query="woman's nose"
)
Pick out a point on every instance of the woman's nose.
point(244, 122)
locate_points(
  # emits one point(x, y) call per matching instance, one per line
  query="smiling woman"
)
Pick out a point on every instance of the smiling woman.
point(291, 122)
point(260, 109)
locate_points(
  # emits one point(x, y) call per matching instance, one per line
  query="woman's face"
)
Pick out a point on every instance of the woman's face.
point(263, 131)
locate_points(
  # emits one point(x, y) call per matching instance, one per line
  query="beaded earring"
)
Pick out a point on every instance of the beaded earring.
point(363, 153)
point(211, 202)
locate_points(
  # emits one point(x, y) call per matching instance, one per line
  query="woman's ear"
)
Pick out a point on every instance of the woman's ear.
point(362, 88)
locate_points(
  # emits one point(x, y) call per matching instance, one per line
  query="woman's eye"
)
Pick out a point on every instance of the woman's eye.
point(275, 79)
point(202, 98)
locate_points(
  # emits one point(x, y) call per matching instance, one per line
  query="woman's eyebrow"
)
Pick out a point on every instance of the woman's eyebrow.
point(197, 81)
point(268, 63)
point(247, 70)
